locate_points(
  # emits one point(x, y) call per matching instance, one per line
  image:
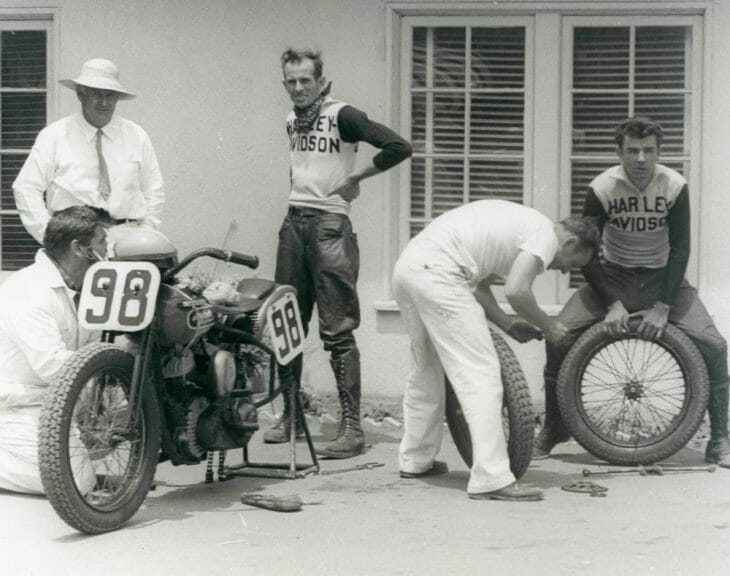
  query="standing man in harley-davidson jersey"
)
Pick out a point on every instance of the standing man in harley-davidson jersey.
point(643, 210)
point(39, 331)
point(318, 252)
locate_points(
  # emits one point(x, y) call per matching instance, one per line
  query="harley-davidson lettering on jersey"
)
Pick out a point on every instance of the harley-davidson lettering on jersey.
point(636, 234)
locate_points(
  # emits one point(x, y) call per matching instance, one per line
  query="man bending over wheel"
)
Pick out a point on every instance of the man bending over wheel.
point(39, 332)
point(442, 285)
point(643, 210)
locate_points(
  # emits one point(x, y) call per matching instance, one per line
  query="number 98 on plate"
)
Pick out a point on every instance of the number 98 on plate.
point(119, 296)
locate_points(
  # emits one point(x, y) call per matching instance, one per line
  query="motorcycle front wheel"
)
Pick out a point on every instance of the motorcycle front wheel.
point(518, 418)
point(96, 473)
point(633, 401)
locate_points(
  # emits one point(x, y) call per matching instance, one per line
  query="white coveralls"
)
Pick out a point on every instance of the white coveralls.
point(38, 333)
point(434, 283)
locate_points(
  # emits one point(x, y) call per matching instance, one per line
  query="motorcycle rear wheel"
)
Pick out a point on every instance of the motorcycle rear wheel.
point(518, 418)
point(632, 401)
point(95, 474)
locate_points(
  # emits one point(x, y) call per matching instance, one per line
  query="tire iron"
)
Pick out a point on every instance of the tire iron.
point(366, 466)
point(654, 470)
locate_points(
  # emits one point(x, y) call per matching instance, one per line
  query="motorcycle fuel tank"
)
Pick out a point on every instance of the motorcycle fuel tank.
point(147, 245)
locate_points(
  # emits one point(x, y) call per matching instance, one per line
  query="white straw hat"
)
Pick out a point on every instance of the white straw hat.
point(102, 74)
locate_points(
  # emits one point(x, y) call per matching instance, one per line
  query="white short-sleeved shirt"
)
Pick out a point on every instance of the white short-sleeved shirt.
point(485, 237)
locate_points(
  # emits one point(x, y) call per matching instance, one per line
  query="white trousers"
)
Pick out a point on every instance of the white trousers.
point(19, 470)
point(448, 332)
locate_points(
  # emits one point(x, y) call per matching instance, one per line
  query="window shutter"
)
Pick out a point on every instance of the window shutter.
point(467, 113)
point(620, 72)
point(23, 94)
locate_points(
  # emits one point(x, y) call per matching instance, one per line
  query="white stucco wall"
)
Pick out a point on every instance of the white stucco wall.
point(208, 78)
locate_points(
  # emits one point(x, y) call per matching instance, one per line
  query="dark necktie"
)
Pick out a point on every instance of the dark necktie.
point(105, 187)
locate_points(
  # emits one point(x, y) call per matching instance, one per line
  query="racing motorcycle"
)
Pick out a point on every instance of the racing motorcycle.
point(174, 377)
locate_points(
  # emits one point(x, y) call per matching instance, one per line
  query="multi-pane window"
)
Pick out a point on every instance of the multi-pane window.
point(524, 108)
point(467, 100)
point(623, 71)
point(23, 113)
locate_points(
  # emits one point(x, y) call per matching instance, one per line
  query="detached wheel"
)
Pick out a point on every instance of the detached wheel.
point(518, 420)
point(633, 401)
point(95, 472)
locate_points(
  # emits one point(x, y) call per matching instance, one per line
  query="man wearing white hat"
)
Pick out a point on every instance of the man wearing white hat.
point(92, 158)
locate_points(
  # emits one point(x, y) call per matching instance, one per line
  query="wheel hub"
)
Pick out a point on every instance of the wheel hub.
point(633, 390)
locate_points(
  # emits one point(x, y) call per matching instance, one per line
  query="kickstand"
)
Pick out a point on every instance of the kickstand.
point(275, 470)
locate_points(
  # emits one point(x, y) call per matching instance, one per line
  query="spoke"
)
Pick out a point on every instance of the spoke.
point(648, 358)
point(622, 348)
point(589, 381)
point(604, 361)
point(597, 414)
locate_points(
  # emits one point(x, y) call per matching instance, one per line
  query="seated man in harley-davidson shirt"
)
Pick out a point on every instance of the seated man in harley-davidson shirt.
point(39, 331)
point(643, 210)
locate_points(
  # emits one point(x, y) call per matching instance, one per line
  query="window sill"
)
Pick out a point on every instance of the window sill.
point(390, 306)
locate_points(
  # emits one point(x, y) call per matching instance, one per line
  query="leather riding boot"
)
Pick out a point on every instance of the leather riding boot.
point(279, 433)
point(350, 440)
point(553, 430)
point(718, 447)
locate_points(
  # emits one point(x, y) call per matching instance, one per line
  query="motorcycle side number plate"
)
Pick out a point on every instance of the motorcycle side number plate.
point(285, 327)
point(119, 296)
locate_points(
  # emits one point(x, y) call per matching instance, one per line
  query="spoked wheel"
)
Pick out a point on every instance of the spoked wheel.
point(95, 472)
point(633, 401)
point(518, 420)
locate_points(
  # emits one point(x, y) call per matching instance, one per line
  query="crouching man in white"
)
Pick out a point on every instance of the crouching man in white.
point(442, 285)
point(39, 332)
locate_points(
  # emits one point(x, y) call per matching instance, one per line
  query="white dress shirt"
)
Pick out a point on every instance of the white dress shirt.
point(64, 164)
point(38, 333)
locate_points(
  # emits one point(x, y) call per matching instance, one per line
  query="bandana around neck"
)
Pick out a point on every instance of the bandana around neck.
point(305, 117)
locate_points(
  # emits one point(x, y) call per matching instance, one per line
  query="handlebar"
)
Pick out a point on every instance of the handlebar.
point(224, 255)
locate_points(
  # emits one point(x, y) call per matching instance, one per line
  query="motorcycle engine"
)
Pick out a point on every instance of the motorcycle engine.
point(207, 412)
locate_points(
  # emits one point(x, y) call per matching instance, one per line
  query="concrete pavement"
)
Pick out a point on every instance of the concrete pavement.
point(372, 522)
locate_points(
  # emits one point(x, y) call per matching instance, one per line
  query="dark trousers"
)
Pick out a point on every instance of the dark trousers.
point(318, 255)
point(639, 289)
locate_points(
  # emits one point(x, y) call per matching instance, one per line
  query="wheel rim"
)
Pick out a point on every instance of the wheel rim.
point(632, 392)
point(105, 459)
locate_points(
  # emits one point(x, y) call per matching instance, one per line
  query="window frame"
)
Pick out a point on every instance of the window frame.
point(693, 124)
point(527, 90)
point(550, 18)
point(34, 20)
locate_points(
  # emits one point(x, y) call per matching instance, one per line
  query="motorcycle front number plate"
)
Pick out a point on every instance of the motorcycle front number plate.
point(119, 296)
point(285, 327)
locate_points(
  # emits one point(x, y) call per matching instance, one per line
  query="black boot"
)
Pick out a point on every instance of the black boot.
point(553, 430)
point(718, 447)
point(279, 433)
point(350, 440)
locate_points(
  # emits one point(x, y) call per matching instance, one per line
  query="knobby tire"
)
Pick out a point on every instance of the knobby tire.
point(57, 415)
point(632, 401)
point(517, 409)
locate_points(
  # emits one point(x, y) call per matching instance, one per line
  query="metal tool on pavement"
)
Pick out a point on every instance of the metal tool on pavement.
point(366, 466)
point(276, 503)
point(641, 470)
point(654, 470)
point(676, 468)
point(584, 486)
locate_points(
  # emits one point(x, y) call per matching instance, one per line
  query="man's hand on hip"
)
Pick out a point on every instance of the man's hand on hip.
point(348, 188)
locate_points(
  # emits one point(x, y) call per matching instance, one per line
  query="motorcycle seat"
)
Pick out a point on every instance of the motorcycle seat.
point(245, 306)
point(254, 289)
